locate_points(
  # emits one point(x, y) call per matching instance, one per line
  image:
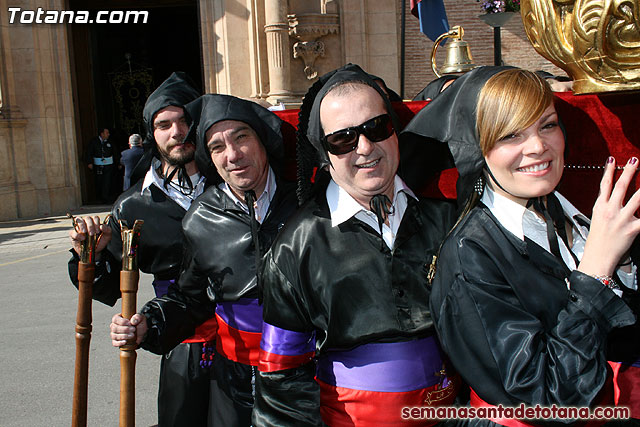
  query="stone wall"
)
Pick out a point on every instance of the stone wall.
point(236, 49)
point(38, 157)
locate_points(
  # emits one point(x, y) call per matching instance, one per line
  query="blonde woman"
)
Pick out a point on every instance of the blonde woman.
point(527, 290)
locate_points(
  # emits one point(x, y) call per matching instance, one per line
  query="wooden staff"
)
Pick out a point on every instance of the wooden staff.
point(86, 273)
point(128, 288)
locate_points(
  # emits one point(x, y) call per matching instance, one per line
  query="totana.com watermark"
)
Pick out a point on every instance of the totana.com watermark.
point(41, 16)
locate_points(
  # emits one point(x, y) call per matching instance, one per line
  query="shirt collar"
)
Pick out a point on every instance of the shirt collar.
point(152, 177)
point(510, 214)
point(342, 206)
point(506, 211)
point(266, 195)
point(572, 212)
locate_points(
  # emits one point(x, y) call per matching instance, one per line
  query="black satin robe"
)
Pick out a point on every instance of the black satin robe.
point(346, 286)
point(161, 241)
point(220, 268)
point(511, 327)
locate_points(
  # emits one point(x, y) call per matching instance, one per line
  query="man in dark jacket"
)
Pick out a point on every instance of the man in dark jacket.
point(101, 157)
point(171, 182)
point(227, 229)
point(348, 337)
point(130, 158)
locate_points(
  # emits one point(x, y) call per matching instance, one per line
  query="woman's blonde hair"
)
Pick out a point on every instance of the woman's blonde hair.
point(510, 101)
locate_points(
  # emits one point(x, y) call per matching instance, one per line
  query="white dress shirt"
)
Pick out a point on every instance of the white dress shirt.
point(523, 222)
point(342, 207)
point(261, 205)
point(173, 191)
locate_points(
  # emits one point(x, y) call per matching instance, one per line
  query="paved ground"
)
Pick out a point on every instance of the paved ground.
point(37, 328)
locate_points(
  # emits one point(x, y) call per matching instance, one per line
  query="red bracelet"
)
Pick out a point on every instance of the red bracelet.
point(608, 281)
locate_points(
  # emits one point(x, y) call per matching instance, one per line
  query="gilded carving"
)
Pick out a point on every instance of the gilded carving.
point(597, 42)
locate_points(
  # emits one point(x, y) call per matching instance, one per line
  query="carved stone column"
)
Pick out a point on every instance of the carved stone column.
point(277, 30)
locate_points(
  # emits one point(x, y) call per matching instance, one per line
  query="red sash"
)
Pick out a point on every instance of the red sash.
point(238, 345)
point(346, 407)
point(205, 332)
point(477, 402)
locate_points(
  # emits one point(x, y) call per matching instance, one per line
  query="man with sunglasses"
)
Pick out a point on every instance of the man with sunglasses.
point(348, 337)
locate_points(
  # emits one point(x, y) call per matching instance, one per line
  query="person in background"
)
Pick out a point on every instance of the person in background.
point(557, 83)
point(101, 155)
point(435, 87)
point(130, 158)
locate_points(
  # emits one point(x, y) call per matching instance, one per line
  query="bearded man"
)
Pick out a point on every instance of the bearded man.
point(171, 182)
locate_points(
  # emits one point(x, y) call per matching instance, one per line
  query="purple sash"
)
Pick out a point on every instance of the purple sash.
point(244, 314)
point(162, 286)
point(384, 367)
point(286, 343)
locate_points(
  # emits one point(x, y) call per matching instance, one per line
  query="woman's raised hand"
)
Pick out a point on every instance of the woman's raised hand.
point(614, 225)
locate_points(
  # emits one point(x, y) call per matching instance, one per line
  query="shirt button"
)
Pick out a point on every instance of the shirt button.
point(400, 293)
point(573, 297)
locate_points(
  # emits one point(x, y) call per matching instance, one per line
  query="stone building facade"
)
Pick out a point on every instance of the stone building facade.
point(263, 49)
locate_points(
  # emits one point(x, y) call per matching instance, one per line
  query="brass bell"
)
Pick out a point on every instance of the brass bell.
point(458, 56)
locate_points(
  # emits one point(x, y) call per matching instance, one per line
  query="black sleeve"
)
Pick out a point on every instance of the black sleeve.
point(504, 351)
point(624, 343)
point(106, 282)
point(175, 316)
point(288, 396)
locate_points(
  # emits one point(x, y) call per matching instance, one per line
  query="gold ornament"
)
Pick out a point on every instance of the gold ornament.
point(597, 42)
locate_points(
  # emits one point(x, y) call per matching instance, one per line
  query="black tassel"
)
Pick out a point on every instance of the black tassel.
point(184, 183)
point(380, 204)
point(554, 218)
point(250, 200)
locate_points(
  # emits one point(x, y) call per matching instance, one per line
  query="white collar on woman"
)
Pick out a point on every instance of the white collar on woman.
point(512, 215)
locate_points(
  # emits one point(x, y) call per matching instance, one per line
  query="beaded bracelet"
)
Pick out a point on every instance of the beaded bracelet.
point(608, 281)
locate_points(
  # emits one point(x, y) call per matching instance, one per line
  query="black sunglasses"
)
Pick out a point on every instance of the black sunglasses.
point(346, 140)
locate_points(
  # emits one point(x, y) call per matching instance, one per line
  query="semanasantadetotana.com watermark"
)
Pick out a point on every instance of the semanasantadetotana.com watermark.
point(41, 16)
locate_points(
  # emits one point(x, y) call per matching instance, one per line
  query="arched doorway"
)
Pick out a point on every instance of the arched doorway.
point(114, 68)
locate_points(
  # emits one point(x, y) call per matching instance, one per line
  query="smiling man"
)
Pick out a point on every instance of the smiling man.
point(345, 284)
point(227, 230)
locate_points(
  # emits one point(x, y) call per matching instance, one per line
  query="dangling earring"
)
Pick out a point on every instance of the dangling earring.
point(478, 187)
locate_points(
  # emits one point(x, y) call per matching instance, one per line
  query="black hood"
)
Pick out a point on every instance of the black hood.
point(393, 95)
point(434, 88)
point(311, 154)
point(212, 108)
point(177, 90)
point(443, 134)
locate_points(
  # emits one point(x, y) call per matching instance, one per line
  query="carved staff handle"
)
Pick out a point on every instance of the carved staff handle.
point(86, 274)
point(128, 288)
